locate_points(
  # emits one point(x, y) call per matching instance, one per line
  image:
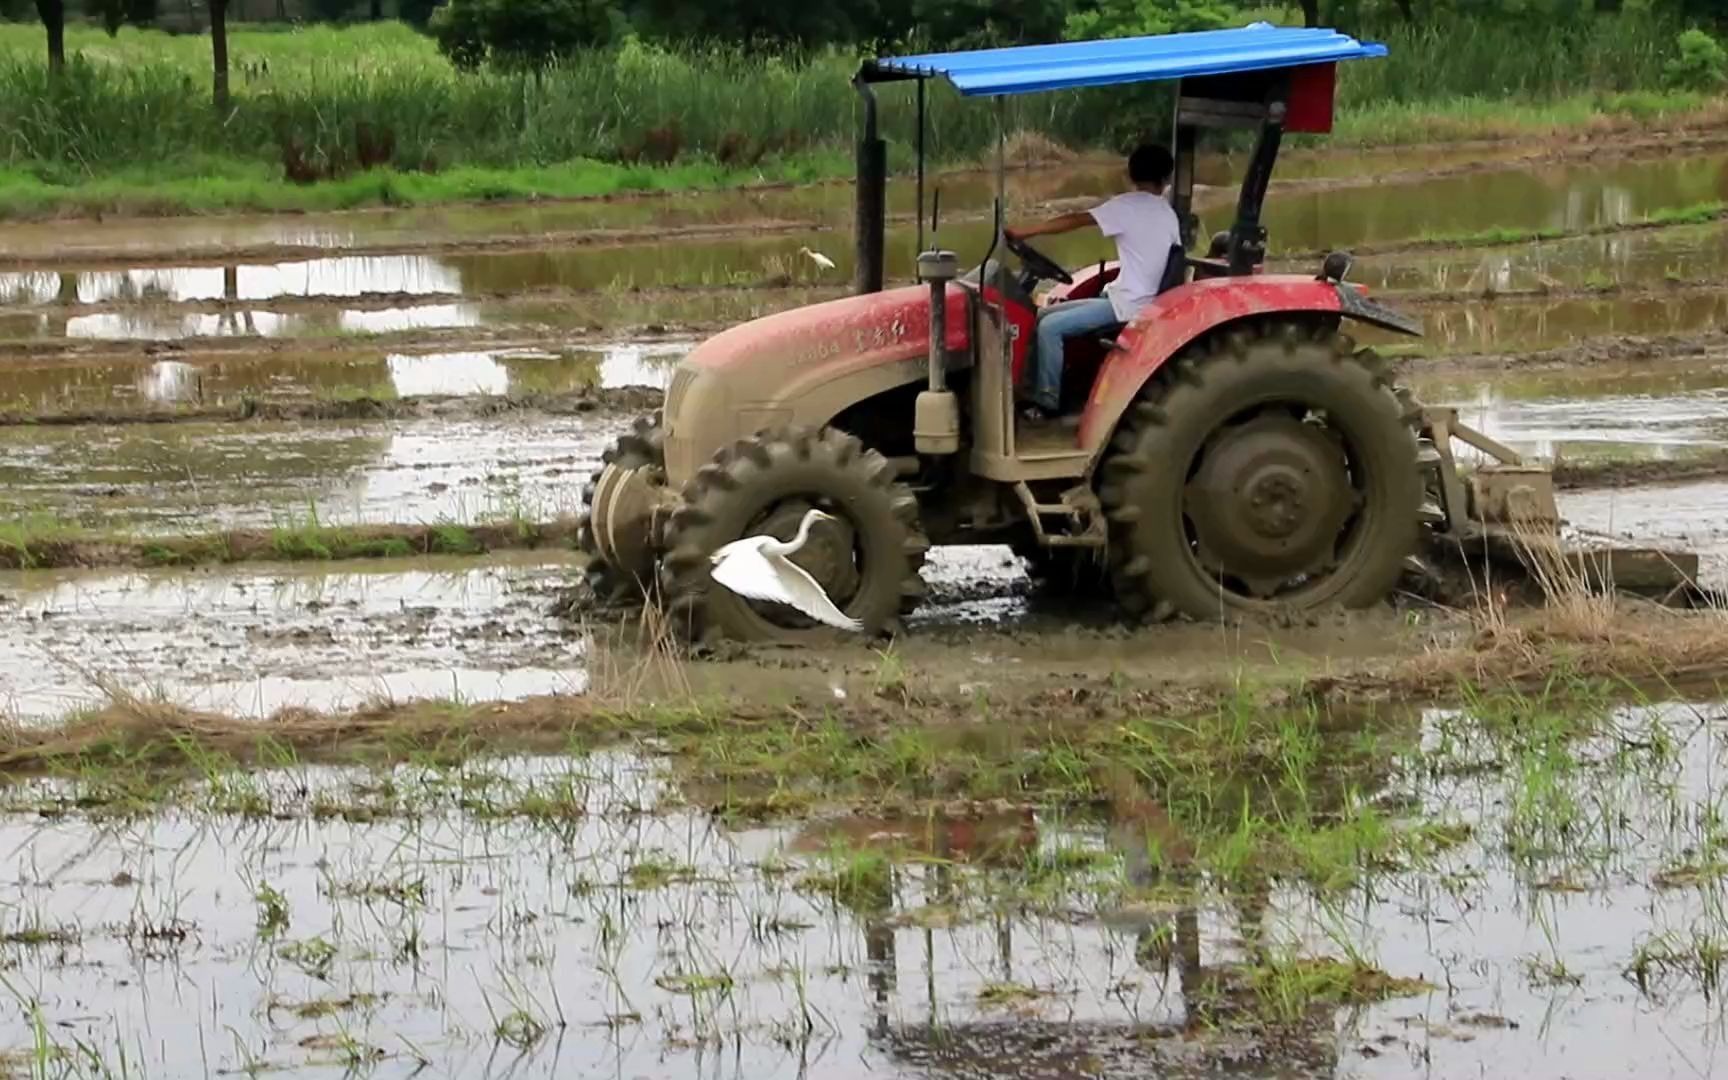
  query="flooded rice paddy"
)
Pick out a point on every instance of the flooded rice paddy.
point(1521, 885)
point(577, 915)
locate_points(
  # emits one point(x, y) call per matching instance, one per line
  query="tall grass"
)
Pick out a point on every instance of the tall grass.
point(139, 101)
point(1512, 58)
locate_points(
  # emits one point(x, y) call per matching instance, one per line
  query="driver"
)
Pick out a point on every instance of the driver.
point(1144, 226)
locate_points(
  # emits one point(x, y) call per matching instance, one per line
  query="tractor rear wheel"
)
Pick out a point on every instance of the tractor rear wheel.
point(615, 531)
point(1274, 473)
point(867, 559)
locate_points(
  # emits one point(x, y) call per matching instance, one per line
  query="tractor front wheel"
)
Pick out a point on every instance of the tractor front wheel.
point(615, 532)
point(866, 559)
point(1274, 473)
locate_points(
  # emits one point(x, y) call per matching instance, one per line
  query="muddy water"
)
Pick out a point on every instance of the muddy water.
point(257, 640)
point(252, 640)
point(193, 477)
point(1642, 257)
point(1689, 516)
point(1567, 197)
point(613, 940)
point(60, 385)
point(1617, 414)
point(1528, 323)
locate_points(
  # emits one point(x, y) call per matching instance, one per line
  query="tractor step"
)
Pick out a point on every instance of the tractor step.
point(1078, 517)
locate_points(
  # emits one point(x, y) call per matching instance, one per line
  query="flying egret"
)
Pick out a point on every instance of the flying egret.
point(757, 568)
point(817, 257)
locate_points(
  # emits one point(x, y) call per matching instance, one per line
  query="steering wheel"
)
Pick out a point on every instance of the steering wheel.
point(1037, 263)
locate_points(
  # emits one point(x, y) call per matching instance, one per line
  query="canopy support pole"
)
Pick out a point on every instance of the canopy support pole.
point(872, 209)
point(921, 83)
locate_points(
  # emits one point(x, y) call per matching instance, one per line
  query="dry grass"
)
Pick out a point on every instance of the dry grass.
point(1582, 628)
point(1024, 149)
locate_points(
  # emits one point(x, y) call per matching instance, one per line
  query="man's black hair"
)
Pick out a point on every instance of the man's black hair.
point(1150, 164)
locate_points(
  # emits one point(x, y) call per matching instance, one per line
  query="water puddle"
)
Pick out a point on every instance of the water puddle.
point(1609, 415)
point(566, 916)
point(193, 477)
point(348, 275)
point(1533, 323)
point(1569, 197)
point(1688, 516)
point(335, 375)
point(256, 640)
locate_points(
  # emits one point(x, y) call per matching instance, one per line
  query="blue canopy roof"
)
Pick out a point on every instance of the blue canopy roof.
point(1029, 68)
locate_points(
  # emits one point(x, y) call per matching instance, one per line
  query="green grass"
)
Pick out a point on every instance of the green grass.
point(126, 128)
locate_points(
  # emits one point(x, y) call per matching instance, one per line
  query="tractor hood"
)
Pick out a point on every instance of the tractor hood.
point(801, 367)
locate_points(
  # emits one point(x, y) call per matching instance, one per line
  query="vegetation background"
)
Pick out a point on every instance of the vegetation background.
point(161, 105)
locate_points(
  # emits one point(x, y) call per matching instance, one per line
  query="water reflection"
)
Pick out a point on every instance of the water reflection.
point(170, 382)
point(348, 276)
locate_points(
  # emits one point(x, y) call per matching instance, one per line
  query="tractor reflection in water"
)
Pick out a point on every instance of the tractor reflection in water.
point(998, 1032)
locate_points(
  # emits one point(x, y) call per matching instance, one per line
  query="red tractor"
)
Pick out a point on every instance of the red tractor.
point(1235, 452)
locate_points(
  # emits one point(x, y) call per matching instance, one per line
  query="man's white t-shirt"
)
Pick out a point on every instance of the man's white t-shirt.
point(1145, 229)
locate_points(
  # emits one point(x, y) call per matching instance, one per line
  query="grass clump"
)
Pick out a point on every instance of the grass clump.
point(657, 870)
point(1288, 989)
point(858, 878)
point(314, 956)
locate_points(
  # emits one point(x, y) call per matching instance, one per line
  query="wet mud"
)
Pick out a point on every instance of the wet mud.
point(287, 476)
point(256, 640)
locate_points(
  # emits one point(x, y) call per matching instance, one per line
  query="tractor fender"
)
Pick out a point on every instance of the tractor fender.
point(1175, 319)
point(800, 367)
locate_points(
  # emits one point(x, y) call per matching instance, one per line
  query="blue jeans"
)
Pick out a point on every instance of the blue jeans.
point(1056, 323)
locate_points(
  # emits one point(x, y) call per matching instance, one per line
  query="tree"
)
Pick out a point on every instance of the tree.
point(755, 21)
point(1134, 18)
point(219, 51)
point(519, 32)
point(111, 12)
point(53, 16)
point(964, 24)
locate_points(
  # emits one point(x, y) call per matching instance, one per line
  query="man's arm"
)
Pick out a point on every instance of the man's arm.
point(1061, 223)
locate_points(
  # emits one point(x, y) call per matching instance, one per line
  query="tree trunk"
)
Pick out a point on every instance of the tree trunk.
point(1608, 7)
point(1310, 12)
point(1405, 9)
point(219, 50)
point(53, 15)
point(377, 10)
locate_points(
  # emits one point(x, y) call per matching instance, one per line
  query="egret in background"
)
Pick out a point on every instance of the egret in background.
point(757, 568)
point(821, 260)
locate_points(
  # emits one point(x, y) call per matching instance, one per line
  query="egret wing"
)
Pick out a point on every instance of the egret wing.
point(741, 567)
point(804, 594)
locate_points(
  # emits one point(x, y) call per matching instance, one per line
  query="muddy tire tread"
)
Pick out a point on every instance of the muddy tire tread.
point(1150, 581)
point(752, 471)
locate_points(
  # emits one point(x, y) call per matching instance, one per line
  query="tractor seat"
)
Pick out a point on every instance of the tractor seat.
point(1175, 273)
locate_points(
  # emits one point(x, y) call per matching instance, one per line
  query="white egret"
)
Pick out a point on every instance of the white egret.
point(817, 257)
point(757, 568)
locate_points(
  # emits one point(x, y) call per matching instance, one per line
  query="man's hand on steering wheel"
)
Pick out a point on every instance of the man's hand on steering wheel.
point(1036, 262)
